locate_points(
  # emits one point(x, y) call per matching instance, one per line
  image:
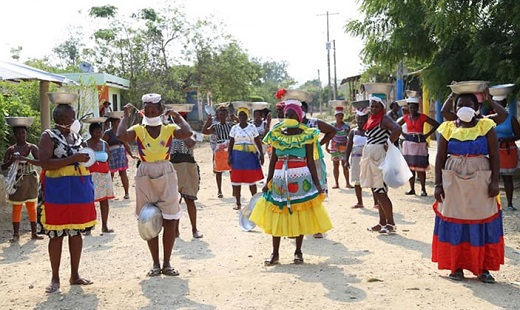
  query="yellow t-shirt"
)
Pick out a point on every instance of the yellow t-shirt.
point(151, 150)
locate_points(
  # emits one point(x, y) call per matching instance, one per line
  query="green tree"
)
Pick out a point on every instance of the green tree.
point(451, 39)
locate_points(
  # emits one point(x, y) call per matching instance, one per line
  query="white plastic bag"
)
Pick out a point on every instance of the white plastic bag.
point(395, 169)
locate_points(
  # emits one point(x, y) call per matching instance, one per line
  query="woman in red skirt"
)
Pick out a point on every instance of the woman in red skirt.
point(245, 155)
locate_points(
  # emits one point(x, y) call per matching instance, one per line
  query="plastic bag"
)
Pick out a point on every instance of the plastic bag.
point(395, 169)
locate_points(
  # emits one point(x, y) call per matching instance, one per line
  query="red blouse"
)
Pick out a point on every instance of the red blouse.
point(415, 126)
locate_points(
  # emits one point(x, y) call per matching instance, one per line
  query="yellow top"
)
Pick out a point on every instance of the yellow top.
point(449, 130)
point(151, 150)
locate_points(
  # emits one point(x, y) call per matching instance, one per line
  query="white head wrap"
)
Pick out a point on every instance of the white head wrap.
point(374, 98)
point(293, 101)
point(499, 98)
point(412, 100)
point(152, 98)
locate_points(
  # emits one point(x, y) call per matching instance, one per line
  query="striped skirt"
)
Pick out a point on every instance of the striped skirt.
point(468, 232)
point(68, 206)
point(415, 152)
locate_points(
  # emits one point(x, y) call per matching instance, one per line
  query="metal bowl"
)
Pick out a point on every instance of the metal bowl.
point(300, 95)
point(181, 107)
point(378, 88)
point(245, 213)
point(338, 103)
point(91, 155)
point(402, 102)
point(150, 221)
point(62, 98)
point(19, 121)
point(361, 104)
point(210, 110)
point(501, 90)
point(469, 87)
point(413, 93)
point(91, 120)
point(260, 105)
point(115, 114)
point(242, 104)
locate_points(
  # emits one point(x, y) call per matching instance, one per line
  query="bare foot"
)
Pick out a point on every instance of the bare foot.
point(335, 186)
point(358, 206)
point(53, 287)
point(349, 186)
point(80, 281)
point(36, 237)
point(197, 234)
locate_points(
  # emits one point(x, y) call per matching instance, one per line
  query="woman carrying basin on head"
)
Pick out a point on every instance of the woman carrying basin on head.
point(468, 231)
point(65, 215)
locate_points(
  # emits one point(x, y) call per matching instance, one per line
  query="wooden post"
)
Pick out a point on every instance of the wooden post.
point(45, 111)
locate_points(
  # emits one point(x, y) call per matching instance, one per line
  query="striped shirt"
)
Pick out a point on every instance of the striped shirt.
point(222, 131)
point(377, 135)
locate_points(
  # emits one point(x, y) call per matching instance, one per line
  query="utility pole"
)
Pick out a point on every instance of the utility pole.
point(335, 78)
point(327, 46)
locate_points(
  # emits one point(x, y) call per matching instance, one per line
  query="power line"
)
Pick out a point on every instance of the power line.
point(327, 46)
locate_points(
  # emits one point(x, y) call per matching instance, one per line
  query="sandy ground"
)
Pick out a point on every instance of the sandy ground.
point(350, 267)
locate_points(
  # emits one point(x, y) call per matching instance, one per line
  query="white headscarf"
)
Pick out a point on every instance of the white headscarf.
point(374, 98)
point(152, 98)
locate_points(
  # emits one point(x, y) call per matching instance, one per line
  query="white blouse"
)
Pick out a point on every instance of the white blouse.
point(244, 135)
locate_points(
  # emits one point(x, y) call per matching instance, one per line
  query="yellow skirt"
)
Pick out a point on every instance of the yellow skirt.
point(307, 218)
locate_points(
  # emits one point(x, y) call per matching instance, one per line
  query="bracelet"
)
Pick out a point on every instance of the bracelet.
point(438, 185)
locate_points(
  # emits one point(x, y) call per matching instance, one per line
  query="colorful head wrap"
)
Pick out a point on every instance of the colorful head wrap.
point(243, 109)
point(296, 106)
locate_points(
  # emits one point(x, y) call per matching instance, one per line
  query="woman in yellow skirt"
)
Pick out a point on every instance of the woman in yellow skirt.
point(291, 205)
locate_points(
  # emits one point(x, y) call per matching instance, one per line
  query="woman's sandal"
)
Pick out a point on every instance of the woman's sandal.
point(458, 275)
point(388, 229)
point(377, 227)
point(485, 277)
point(154, 272)
point(197, 235)
point(272, 260)
point(52, 288)
point(298, 258)
point(169, 271)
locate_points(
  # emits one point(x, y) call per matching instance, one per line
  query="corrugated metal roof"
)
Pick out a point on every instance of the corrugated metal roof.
point(16, 72)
